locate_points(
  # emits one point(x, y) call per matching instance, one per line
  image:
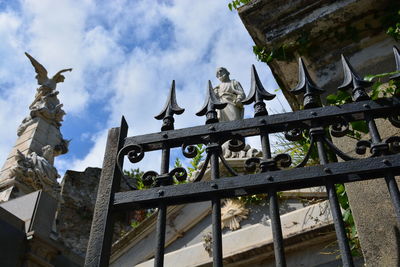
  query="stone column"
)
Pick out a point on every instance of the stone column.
point(29, 166)
point(320, 31)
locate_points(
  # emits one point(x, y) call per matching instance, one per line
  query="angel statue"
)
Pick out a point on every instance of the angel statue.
point(46, 104)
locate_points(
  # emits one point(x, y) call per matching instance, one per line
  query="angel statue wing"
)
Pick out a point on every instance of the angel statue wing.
point(39, 69)
point(58, 78)
point(42, 74)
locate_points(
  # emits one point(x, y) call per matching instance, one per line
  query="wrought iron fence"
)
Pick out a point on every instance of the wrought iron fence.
point(275, 173)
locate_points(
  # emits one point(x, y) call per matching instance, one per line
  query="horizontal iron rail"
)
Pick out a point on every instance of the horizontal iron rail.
point(271, 123)
point(339, 172)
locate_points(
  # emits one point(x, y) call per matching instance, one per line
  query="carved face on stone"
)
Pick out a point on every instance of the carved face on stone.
point(222, 74)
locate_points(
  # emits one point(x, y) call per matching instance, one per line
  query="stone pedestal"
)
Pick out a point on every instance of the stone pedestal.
point(32, 139)
point(36, 243)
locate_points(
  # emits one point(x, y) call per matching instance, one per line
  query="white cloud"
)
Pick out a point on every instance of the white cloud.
point(125, 55)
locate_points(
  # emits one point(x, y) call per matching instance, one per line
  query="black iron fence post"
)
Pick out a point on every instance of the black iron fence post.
point(273, 205)
point(171, 107)
point(257, 94)
point(312, 100)
point(214, 150)
point(99, 245)
point(378, 148)
point(162, 214)
point(317, 133)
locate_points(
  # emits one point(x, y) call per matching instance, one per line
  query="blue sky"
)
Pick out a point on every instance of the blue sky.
point(124, 55)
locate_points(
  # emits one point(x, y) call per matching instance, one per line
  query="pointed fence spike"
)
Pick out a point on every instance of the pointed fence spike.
point(123, 122)
point(171, 107)
point(307, 86)
point(257, 94)
point(396, 53)
point(210, 105)
point(351, 80)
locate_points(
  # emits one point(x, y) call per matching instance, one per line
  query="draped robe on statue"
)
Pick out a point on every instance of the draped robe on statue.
point(230, 92)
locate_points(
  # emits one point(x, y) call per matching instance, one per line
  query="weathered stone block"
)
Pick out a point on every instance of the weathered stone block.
point(74, 215)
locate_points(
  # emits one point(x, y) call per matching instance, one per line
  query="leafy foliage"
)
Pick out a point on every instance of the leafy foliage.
point(235, 4)
point(137, 216)
point(378, 89)
point(136, 175)
point(197, 159)
point(284, 52)
point(392, 21)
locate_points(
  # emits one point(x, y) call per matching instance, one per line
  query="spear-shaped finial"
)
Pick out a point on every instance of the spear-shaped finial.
point(354, 81)
point(257, 94)
point(210, 105)
point(397, 58)
point(170, 108)
point(307, 86)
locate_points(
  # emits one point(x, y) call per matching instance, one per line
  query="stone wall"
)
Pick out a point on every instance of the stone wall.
point(74, 215)
point(75, 212)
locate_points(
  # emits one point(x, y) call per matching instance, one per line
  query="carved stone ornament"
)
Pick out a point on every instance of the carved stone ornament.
point(37, 171)
point(232, 213)
point(46, 104)
point(207, 243)
point(246, 152)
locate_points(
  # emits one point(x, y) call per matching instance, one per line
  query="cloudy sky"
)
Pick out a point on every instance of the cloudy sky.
point(124, 55)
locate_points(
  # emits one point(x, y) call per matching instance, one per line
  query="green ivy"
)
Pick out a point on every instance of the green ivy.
point(136, 175)
point(235, 4)
point(197, 159)
point(284, 52)
point(391, 21)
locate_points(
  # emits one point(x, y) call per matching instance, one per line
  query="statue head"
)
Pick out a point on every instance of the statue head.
point(48, 152)
point(222, 74)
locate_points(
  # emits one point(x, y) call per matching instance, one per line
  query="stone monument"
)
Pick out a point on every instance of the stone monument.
point(29, 166)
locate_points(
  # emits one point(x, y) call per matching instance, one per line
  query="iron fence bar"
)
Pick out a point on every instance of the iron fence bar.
point(160, 235)
point(226, 187)
point(171, 107)
point(276, 226)
point(272, 123)
point(216, 208)
point(279, 250)
point(389, 177)
point(333, 202)
point(162, 215)
point(99, 245)
point(394, 192)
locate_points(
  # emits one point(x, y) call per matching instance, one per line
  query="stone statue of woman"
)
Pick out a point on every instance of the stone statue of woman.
point(231, 92)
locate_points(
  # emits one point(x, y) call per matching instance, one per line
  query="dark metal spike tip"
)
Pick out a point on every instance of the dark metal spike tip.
point(124, 124)
point(307, 86)
point(171, 106)
point(211, 102)
point(396, 53)
point(305, 83)
point(210, 105)
point(257, 90)
point(351, 80)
